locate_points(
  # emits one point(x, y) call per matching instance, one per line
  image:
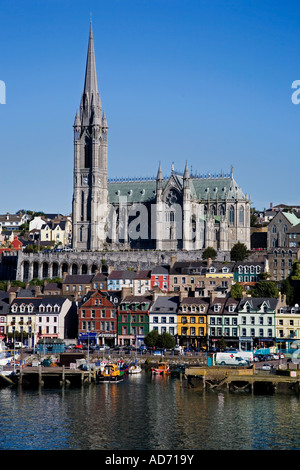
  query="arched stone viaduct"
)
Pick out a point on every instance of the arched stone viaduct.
point(51, 265)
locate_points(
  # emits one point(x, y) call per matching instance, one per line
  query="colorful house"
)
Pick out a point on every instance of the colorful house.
point(160, 278)
point(192, 322)
point(133, 320)
point(97, 319)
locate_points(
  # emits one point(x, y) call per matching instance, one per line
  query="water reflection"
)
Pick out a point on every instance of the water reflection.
point(146, 412)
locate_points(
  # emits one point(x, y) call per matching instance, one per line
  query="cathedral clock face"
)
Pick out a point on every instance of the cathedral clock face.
point(85, 180)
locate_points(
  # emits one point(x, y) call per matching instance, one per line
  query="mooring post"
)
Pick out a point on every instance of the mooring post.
point(63, 374)
point(40, 375)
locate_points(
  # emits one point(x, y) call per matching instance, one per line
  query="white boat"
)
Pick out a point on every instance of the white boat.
point(5, 356)
point(134, 369)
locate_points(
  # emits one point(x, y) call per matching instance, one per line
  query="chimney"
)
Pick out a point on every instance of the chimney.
point(212, 296)
point(209, 261)
point(125, 292)
point(271, 205)
point(173, 260)
point(12, 296)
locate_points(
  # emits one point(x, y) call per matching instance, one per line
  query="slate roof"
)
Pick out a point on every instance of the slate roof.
point(159, 270)
point(78, 279)
point(119, 274)
point(139, 190)
point(164, 304)
point(256, 302)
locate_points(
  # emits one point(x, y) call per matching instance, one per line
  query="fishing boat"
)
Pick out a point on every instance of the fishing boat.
point(134, 369)
point(109, 372)
point(162, 369)
point(5, 356)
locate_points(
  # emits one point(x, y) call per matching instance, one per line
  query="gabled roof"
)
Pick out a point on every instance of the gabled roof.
point(78, 279)
point(164, 304)
point(120, 274)
point(257, 302)
point(160, 270)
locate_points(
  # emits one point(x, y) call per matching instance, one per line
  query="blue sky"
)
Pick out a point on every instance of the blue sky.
point(208, 82)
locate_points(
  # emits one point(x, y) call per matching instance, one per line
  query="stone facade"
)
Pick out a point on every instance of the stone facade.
point(28, 266)
point(178, 212)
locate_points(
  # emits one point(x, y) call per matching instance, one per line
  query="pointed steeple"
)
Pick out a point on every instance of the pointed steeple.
point(91, 107)
point(159, 173)
point(77, 119)
point(186, 174)
point(90, 83)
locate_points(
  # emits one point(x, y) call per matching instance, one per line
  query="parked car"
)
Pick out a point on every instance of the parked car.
point(258, 357)
point(281, 356)
point(266, 367)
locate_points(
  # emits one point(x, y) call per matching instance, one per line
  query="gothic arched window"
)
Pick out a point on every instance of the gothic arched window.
point(241, 215)
point(231, 215)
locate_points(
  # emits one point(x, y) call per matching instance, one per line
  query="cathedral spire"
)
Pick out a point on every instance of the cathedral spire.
point(91, 103)
point(90, 84)
point(186, 174)
point(159, 173)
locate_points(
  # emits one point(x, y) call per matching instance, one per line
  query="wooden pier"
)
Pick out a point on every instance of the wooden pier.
point(52, 376)
point(250, 380)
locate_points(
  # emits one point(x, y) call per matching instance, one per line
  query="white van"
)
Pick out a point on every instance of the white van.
point(230, 359)
point(247, 355)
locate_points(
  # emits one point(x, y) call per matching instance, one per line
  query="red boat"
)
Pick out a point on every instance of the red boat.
point(162, 369)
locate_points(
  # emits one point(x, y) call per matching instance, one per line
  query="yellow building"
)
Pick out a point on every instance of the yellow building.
point(287, 321)
point(57, 232)
point(192, 322)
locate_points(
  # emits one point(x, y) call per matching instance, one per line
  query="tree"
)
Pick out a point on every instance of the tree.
point(295, 271)
point(239, 252)
point(236, 291)
point(209, 252)
point(151, 339)
point(288, 290)
point(166, 341)
point(265, 289)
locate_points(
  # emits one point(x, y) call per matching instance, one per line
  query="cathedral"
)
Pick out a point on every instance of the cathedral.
point(179, 212)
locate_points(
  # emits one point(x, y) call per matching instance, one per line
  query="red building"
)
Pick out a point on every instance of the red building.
point(15, 245)
point(97, 319)
point(160, 278)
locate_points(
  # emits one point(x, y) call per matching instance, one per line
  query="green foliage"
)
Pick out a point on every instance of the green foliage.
point(236, 291)
point(239, 252)
point(295, 271)
point(151, 339)
point(209, 252)
point(165, 340)
point(265, 289)
point(288, 290)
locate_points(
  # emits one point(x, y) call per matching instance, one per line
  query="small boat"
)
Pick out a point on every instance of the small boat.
point(134, 369)
point(162, 369)
point(5, 356)
point(109, 372)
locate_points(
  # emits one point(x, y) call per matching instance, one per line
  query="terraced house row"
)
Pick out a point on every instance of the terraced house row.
point(196, 322)
point(119, 318)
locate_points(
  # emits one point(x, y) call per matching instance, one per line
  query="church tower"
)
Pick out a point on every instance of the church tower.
point(90, 196)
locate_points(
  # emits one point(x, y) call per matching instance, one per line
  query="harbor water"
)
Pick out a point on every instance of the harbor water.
point(145, 412)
